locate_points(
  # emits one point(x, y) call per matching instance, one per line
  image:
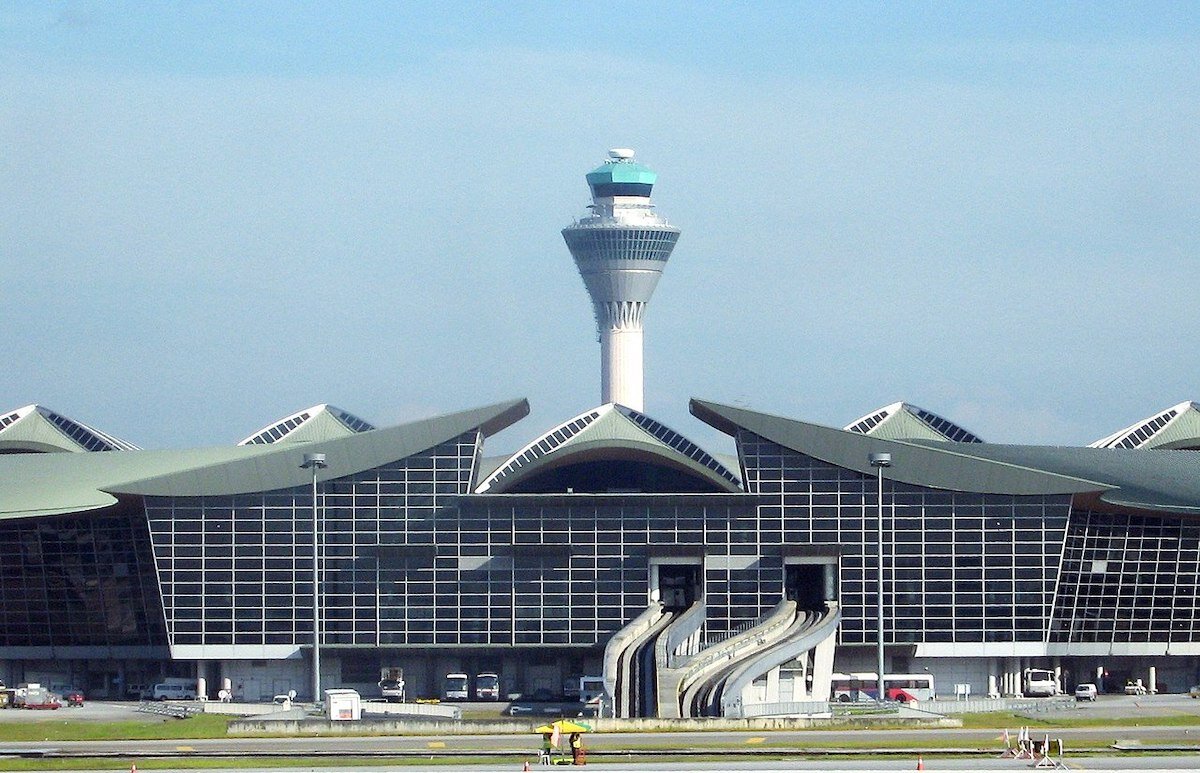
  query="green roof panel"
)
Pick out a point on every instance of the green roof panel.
point(51, 484)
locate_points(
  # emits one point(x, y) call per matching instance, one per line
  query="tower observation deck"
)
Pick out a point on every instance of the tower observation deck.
point(621, 249)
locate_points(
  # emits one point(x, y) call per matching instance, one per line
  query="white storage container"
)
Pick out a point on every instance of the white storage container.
point(342, 705)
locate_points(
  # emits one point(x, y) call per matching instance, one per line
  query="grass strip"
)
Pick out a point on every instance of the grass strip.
point(199, 726)
point(1000, 720)
point(204, 726)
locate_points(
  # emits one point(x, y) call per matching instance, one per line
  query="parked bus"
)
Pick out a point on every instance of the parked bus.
point(1039, 683)
point(455, 687)
point(487, 687)
point(897, 687)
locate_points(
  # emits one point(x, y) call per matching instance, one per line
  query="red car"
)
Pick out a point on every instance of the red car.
point(75, 698)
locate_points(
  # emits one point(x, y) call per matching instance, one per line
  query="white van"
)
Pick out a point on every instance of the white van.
point(168, 691)
point(1039, 683)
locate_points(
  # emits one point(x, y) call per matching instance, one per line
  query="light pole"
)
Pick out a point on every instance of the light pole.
point(879, 460)
point(316, 462)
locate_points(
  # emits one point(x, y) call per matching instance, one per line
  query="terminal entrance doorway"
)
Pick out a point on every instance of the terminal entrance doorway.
point(679, 584)
point(810, 585)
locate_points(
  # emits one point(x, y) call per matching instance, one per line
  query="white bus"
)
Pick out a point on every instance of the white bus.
point(897, 687)
point(455, 687)
point(1039, 683)
point(487, 687)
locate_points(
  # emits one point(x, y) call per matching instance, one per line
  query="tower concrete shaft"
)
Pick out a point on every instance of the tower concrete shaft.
point(621, 249)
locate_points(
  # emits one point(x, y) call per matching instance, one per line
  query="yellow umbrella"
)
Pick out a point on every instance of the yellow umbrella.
point(563, 726)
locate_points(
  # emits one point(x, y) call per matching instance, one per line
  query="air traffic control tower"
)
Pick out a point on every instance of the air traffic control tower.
point(621, 249)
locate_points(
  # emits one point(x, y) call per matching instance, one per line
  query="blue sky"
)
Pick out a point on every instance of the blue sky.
point(219, 213)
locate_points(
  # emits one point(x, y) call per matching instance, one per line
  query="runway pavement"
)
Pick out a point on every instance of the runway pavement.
point(747, 750)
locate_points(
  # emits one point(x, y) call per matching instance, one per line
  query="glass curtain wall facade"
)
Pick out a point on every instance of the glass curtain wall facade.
point(238, 569)
point(410, 559)
point(958, 567)
point(573, 569)
point(79, 581)
point(1129, 578)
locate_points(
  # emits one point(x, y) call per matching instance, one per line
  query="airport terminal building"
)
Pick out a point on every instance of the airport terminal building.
point(610, 544)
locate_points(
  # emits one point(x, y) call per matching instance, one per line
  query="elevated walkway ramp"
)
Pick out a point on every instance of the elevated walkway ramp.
point(655, 667)
point(694, 678)
point(628, 656)
point(814, 631)
point(681, 639)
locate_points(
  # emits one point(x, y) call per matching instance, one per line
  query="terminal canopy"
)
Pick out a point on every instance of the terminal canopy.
point(1176, 427)
point(610, 449)
point(37, 429)
point(904, 421)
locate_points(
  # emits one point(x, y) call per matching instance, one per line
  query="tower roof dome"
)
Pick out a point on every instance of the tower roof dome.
point(620, 175)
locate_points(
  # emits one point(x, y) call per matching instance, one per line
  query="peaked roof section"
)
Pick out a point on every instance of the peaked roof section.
point(1163, 481)
point(1176, 427)
point(51, 484)
point(320, 422)
point(610, 426)
point(36, 428)
point(904, 421)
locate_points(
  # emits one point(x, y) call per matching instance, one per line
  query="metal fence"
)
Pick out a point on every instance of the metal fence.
point(932, 708)
point(787, 709)
point(165, 709)
point(403, 710)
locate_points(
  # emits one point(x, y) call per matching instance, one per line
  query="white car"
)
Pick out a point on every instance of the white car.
point(1086, 692)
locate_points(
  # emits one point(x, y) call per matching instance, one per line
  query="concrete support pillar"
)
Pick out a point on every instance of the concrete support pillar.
point(1013, 667)
point(772, 695)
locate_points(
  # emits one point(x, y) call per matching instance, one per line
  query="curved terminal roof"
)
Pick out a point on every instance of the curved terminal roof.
point(1176, 427)
point(53, 484)
point(320, 422)
point(610, 431)
point(37, 429)
point(904, 421)
point(1167, 481)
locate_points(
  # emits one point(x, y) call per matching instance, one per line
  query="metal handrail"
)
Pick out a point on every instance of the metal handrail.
point(177, 710)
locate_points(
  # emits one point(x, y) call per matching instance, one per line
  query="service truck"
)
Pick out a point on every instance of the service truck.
point(583, 688)
point(391, 684)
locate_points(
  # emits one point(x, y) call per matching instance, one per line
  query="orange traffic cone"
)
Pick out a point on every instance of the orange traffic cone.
point(920, 763)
